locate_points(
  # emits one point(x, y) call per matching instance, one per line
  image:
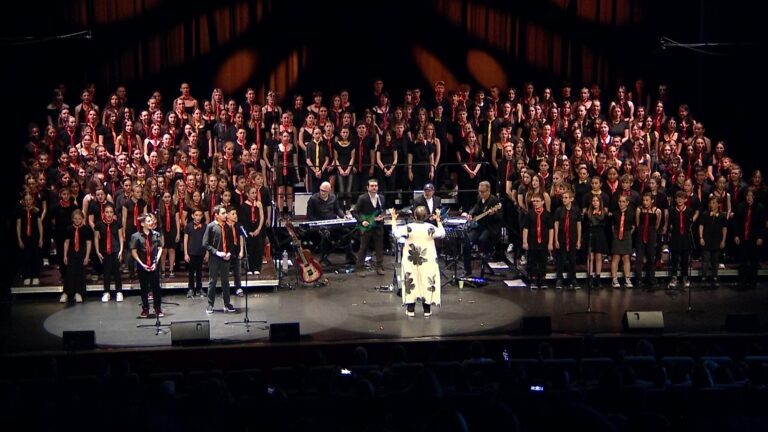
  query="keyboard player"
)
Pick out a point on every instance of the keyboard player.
point(324, 205)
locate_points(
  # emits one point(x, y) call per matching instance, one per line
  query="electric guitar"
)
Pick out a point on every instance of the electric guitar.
point(311, 270)
point(474, 224)
point(374, 219)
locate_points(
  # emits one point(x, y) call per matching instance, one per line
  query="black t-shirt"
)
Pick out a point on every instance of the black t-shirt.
point(574, 218)
point(712, 230)
point(536, 226)
point(139, 242)
point(77, 239)
point(195, 242)
point(114, 227)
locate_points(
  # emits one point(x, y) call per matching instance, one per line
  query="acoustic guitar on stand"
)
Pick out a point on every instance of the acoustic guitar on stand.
point(310, 270)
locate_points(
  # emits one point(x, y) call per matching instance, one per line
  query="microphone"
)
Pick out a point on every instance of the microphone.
point(243, 231)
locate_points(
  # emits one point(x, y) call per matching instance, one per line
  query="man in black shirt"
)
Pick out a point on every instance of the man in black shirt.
point(324, 205)
point(486, 229)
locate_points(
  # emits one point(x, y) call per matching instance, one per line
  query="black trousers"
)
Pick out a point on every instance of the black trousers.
point(377, 234)
point(195, 271)
point(646, 259)
point(480, 236)
point(111, 270)
point(679, 261)
point(537, 264)
point(74, 280)
point(254, 246)
point(234, 265)
point(31, 258)
point(218, 269)
point(750, 261)
point(566, 262)
point(149, 281)
point(710, 263)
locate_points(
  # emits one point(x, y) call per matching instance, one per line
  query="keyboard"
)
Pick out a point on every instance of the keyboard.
point(327, 223)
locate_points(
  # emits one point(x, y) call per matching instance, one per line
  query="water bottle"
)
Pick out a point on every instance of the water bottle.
point(284, 261)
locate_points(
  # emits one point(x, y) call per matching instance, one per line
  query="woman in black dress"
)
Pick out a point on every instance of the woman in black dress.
point(598, 245)
point(343, 157)
point(286, 164)
point(386, 162)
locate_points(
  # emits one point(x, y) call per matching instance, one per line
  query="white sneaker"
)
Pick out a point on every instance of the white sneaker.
point(510, 248)
point(64, 297)
point(721, 266)
point(78, 298)
point(627, 283)
point(105, 297)
point(615, 283)
point(119, 297)
point(35, 281)
point(26, 282)
point(239, 292)
point(256, 272)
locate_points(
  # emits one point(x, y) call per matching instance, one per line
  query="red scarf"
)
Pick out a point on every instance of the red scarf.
point(234, 234)
point(168, 217)
point(253, 212)
point(149, 250)
point(361, 140)
point(746, 223)
point(621, 225)
point(109, 237)
point(136, 214)
point(29, 222)
point(77, 238)
point(538, 212)
point(223, 239)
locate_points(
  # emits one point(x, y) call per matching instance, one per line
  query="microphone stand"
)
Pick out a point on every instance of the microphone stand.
point(689, 309)
point(157, 324)
point(590, 264)
point(246, 322)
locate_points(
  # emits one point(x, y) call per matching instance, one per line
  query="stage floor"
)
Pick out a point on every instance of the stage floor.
point(350, 308)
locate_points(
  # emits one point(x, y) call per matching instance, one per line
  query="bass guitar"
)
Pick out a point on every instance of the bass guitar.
point(473, 223)
point(310, 270)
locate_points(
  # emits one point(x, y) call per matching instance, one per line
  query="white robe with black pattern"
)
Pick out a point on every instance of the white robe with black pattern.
point(420, 272)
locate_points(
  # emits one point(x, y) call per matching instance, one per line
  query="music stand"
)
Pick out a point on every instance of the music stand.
point(246, 322)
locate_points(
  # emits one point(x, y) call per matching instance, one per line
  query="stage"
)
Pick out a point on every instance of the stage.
point(350, 308)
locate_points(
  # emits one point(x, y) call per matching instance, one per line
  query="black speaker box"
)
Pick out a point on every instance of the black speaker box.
point(643, 321)
point(536, 326)
point(190, 332)
point(742, 323)
point(284, 332)
point(78, 340)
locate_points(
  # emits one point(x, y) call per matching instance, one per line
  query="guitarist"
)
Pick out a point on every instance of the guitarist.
point(429, 201)
point(370, 204)
point(486, 229)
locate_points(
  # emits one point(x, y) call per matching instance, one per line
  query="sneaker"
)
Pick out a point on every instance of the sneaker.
point(559, 284)
point(510, 248)
point(26, 282)
point(543, 284)
point(673, 282)
point(615, 283)
point(78, 298)
point(159, 312)
point(686, 282)
point(105, 297)
point(410, 314)
point(144, 313)
point(256, 272)
point(721, 266)
point(380, 271)
point(523, 260)
point(574, 287)
point(119, 297)
point(239, 292)
point(427, 314)
point(171, 274)
point(628, 283)
point(190, 293)
point(35, 281)
point(63, 298)
point(228, 308)
point(534, 286)
point(209, 309)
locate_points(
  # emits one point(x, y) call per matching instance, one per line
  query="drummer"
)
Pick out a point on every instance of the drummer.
point(430, 201)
